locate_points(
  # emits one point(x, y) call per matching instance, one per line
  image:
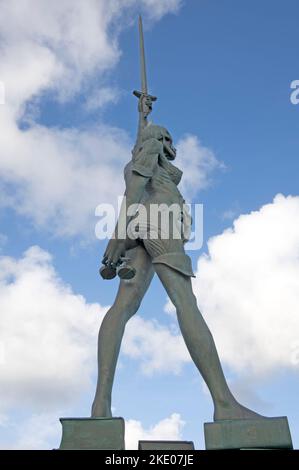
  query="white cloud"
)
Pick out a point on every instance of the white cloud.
point(39, 431)
point(157, 347)
point(102, 97)
point(48, 340)
point(2, 93)
point(53, 44)
point(248, 288)
point(56, 177)
point(169, 308)
point(197, 162)
point(166, 429)
point(48, 335)
point(157, 8)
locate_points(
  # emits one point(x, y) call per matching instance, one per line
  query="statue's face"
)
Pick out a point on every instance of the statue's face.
point(161, 134)
point(170, 151)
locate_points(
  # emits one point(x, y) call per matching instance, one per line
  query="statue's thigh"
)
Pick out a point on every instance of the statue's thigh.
point(138, 285)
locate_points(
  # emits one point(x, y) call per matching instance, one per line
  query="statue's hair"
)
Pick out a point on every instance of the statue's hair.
point(153, 131)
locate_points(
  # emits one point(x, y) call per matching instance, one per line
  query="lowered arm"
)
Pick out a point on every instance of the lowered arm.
point(117, 245)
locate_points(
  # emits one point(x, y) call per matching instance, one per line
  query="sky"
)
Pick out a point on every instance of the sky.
point(222, 71)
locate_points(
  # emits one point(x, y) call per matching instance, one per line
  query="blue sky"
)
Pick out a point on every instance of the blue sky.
point(222, 72)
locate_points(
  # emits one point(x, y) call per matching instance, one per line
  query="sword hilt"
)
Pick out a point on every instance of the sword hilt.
point(145, 102)
point(140, 93)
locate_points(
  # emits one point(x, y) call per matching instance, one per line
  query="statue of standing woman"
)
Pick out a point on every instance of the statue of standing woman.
point(152, 179)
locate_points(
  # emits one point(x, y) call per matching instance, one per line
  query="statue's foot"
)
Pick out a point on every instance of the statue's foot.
point(101, 410)
point(234, 410)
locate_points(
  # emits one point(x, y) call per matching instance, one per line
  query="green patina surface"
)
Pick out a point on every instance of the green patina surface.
point(92, 433)
point(268, 433)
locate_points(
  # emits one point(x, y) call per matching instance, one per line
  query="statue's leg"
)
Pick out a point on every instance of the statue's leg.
point(128, 298)
point(200, 343)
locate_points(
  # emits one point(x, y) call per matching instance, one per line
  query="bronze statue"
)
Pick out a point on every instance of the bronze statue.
point(151, 178)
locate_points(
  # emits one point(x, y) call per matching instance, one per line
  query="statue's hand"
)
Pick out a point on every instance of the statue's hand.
point(114, 251)
point(145, 105)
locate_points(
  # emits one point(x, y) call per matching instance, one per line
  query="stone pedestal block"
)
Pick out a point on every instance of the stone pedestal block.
point(267, 433)
point(92, 433)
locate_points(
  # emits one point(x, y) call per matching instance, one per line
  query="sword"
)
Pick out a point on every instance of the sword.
point(145, 100)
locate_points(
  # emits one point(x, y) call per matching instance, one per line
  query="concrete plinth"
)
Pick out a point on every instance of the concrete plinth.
point(92, 433)
point(268, 433)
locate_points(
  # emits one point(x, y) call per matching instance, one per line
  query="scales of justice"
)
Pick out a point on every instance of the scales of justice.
point(135, 255)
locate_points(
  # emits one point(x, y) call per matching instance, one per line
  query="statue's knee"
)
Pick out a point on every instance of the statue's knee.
point(131, 307)
point(125, 307)
point(182, 298)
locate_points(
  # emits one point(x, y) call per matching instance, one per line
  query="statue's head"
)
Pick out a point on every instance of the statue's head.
point(152, 131)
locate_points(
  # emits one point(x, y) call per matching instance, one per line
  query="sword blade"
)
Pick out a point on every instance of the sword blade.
point(142, 59)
